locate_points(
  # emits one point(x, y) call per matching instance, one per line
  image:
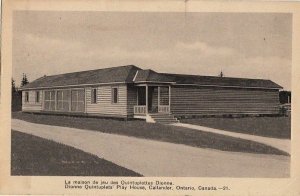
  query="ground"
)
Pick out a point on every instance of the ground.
point(156, 158)
point(159, 132)
point(277, 127)
point(33, 155)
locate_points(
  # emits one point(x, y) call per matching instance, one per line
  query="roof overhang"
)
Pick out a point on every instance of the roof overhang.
point(224, 86)
point(71, 86)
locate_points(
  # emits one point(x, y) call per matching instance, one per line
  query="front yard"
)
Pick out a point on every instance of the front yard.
point(35, 156)
point(276, 127)
point(141, 129)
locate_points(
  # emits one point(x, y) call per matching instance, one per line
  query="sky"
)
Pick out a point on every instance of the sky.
point(246, 45)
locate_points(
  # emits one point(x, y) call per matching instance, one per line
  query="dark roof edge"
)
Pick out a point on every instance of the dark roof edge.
point(224, 86)
point(75, 85)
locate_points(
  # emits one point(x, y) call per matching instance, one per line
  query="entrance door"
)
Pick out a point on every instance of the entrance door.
point(77, 100)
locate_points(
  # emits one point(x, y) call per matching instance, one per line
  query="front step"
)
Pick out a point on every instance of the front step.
point(163, 118)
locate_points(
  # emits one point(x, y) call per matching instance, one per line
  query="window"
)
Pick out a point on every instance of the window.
point(26, 97)
point(114, 95)
point(94, 95)
point(49, 103)
point(63, 99)
point(37, 97)
point(77, 103)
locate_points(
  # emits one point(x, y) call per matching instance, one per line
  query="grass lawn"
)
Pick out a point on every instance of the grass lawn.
point(277, 127)
point(35, 156)
point(153, 131)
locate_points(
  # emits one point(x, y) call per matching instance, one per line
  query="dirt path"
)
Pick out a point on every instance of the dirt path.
point(281, 144)
point(153, 158)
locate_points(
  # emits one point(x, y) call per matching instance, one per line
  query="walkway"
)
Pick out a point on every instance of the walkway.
point(281, 144)
point(153, 158)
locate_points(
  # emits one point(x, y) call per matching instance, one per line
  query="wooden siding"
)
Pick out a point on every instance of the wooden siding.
point(104, 105)
point(164, 95)
point(31, 105)
point(187, 101)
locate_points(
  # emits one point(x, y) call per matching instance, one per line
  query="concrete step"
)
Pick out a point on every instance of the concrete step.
point(161, 114)
point(163, 118)
point(167, 121)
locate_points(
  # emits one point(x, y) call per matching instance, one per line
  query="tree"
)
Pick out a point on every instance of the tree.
point(13, 86)
point(24, 80)
point(221, 74)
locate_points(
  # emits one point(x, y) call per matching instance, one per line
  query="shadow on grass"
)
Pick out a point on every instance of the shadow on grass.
point(35, 156)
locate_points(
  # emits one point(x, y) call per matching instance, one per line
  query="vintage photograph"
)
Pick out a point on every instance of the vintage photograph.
point(151, 94)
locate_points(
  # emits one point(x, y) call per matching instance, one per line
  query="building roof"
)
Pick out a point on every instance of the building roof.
point(133, 74)
point(122, 74)
point(152, 76)
point(223, 81)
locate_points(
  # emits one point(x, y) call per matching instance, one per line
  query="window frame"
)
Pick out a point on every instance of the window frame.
point(94, 95)
point(50, 100)
point(113, 95)
point(62, 101)
point(77, 100)
point(26, 96)
point(37, 97)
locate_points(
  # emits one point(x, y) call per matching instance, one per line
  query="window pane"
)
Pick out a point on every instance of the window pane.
point(81, 106)
point(73, 106)
point(47, 95)
point(52, 95)
point(26, 97)
point(66, 95)
point(59, 105)
point(66, 106)
point(74, 95)
point(80, 95)
point(52, 105)
point(115, 95)
point(59, 95)
point(47, 105)
point(94, 96)
point(37, 96)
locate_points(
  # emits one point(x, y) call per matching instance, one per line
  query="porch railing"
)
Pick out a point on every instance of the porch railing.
point(140, 109)
point(163, 109)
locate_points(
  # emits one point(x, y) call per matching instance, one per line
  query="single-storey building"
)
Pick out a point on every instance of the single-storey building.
point(132, 92)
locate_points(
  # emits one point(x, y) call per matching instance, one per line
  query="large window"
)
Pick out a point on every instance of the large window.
point(94, 95)
point(26, 97)
point(63, 99)
point(49, 100)
point(37, 97)
point(115, 95)
point(77, 100)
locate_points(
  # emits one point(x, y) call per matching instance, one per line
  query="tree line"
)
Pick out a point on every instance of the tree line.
point(16, 94)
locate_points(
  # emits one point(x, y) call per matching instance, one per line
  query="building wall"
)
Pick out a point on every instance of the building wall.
point(164, 95)
point(187, 101)
point(104, 105)
point(31, 105)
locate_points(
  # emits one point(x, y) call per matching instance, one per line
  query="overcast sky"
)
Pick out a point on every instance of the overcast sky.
point(241, 45)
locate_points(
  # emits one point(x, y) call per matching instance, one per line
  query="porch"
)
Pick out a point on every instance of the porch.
point(152, 99)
